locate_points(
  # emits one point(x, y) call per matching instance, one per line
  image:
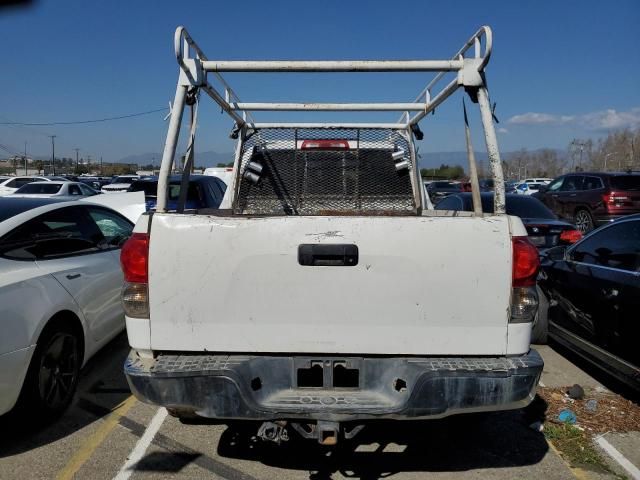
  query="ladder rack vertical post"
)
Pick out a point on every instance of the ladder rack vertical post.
point(170, 146)
point(492, 150)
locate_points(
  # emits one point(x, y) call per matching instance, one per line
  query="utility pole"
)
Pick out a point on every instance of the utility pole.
point(77, 162)
point(100, 165)
point(25, 159)
point(53, 153)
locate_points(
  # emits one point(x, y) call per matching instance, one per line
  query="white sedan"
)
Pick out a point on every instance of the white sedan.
point(55, 189)
point(11, 184)
point(119, 184)
point(60, 282)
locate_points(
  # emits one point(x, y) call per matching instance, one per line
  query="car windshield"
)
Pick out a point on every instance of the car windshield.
point(625, 182)
point(40, 188)
point(534, 186)
point(522, 206)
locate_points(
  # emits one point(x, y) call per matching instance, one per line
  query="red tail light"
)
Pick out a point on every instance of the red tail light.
point(325, 145)
point(134, 258)
point(570, 236)
point(526, 262)
point(616, 199)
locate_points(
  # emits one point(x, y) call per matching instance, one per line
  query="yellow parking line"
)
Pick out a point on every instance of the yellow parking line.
point(95, 439)
point(577, 472)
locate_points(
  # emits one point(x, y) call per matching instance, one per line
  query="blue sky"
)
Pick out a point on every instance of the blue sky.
point(559, 70)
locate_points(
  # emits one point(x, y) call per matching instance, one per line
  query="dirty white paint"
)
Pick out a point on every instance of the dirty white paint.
point(234, 284)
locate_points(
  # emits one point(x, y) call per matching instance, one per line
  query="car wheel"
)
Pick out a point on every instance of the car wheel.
point(53, 373)
point(540, 329)
point(583, 221)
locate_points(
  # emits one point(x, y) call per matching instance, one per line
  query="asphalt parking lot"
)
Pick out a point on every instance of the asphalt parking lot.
point(108, 434)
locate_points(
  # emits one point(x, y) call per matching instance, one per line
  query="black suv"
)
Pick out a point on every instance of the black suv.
point(592, 199)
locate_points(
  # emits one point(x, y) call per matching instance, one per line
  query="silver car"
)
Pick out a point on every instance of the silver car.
point(55, 189)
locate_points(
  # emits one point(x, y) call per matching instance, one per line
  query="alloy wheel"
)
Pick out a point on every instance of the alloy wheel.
point(59, 370)
point(583, 221)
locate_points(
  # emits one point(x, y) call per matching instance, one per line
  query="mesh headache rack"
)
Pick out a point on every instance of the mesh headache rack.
point(329, 168)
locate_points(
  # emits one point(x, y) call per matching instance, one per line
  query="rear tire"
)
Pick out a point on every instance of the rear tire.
point(540, 329)
point(583, 221)
point(53, 374)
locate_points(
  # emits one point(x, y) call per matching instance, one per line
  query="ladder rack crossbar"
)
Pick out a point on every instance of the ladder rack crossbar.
point(196, 68)
point(329, 107)
point(301, 66)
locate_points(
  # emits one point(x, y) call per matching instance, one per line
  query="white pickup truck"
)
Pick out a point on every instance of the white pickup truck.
point(324, 291)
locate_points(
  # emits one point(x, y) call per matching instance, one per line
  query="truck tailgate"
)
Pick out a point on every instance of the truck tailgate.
point(422, 285)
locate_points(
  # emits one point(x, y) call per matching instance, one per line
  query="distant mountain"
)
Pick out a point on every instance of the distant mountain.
point(206, 159)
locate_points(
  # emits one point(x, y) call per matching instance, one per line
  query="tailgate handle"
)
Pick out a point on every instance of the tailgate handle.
point(334, 255)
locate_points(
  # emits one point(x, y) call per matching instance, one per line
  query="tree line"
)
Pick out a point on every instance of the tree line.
point(618, 151)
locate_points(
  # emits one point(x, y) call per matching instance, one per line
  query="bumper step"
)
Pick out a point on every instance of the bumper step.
point(266, 387)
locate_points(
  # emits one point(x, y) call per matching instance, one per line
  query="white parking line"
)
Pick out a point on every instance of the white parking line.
point(618, 457)
point(141, 447)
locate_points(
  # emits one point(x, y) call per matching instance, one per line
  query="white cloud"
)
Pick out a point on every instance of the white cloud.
point(610, 119)
point(601, 120)
point(532, 118)
point(503, 130)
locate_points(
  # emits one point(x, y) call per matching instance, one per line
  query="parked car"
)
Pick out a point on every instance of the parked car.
point(57, 178)
point(487, 185)
point(528, 188)
point(71, 178)
point(55, 189)
point(204, 192)
point(543, 227)
point(121, 183)
point(11, 184)
point(510, 186)
point(60, 285)
point(594, 286)
point(95, 182)
point(593, 199)
point(543, 180)
point(440, 189)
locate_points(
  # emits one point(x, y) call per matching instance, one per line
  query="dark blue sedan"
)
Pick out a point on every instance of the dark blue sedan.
point(543, 227)
point(204, 192)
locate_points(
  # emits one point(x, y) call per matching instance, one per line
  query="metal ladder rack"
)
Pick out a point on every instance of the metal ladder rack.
point(195, 68)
